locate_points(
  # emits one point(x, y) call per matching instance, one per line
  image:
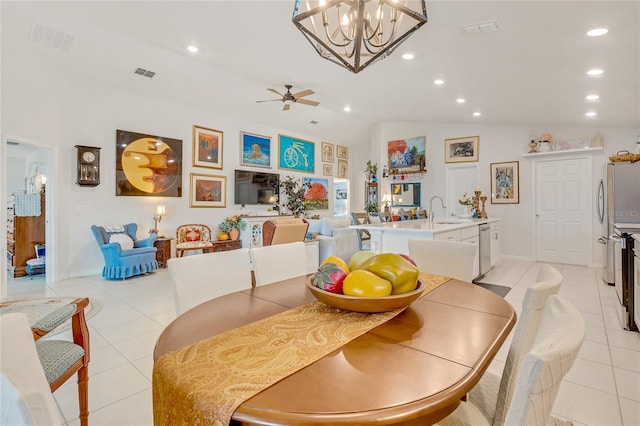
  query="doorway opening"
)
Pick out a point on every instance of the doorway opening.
point(341, 197)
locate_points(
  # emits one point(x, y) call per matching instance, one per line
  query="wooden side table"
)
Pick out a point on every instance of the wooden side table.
point(164, 251)
point(226, 245)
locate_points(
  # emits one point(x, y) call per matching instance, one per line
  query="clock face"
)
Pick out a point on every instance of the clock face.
point(89, 157)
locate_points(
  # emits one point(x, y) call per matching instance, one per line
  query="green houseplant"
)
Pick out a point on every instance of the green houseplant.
point(295, 190)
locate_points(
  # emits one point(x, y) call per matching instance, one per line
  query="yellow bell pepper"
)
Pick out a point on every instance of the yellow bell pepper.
point(401, 273)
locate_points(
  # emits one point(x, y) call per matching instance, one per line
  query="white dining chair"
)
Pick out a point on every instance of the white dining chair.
point(553, 352)
point(25, 395)
point(493, 394)
point(449, 258)
point(278, 262)
point(201, 277)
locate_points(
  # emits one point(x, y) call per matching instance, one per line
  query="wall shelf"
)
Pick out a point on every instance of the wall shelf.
point(590, 150)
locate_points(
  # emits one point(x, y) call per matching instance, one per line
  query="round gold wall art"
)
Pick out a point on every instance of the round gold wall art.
point(150, 165)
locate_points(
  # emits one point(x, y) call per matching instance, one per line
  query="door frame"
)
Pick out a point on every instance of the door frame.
point(51, 186)
point(588, 197)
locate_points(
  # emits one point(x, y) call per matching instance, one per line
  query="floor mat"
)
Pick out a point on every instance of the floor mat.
point(500, 290)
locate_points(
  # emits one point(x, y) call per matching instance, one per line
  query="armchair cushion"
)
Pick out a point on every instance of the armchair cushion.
point(125, 241)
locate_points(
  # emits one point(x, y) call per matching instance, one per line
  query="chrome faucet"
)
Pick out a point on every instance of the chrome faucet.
point(444, 206)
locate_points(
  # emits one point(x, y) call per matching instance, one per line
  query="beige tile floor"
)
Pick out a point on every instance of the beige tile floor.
point(602, 389)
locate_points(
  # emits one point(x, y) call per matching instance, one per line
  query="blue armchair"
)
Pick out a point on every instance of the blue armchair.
point(124, 256)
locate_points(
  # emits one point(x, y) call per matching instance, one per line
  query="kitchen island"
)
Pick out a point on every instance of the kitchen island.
point(393, 237)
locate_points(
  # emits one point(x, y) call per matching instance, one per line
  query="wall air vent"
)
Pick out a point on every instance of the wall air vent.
point(145, 73)
point(51, 38)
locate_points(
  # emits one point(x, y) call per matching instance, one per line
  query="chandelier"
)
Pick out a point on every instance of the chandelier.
point(356, 33)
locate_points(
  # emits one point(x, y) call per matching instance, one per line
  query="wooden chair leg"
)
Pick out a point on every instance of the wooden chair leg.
point(83, 395)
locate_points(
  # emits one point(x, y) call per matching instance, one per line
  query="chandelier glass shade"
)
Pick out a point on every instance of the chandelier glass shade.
point(356, 33)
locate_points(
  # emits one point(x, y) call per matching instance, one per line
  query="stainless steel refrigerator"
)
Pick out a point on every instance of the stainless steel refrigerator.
point(618, 201)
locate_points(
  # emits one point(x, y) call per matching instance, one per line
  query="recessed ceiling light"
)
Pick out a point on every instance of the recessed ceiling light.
point(461, 100)
point(347, 108)
point(597, 32)
point(593, 97)
point(438, 82)
point(192, 49)
point(591, 114)
point(477, 114)
point(595, 71)
point(408, 56)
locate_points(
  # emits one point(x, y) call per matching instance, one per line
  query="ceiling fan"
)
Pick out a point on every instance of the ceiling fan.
point(288, 98)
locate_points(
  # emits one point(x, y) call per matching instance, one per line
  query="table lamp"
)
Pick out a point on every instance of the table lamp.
point(159, 212)
point(386, 199)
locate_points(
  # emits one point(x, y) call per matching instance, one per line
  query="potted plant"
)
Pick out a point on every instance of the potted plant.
point(295, 190)
point(372, 207)
point(371, 170)
point(232, 226)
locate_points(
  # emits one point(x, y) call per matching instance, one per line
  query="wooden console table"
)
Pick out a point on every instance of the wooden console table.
point(164, 251)
point(226, 245)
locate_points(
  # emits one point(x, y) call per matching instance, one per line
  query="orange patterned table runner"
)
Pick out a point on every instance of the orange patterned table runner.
point(204, 383)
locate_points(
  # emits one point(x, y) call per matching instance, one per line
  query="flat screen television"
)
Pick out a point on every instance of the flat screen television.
point(251, 187)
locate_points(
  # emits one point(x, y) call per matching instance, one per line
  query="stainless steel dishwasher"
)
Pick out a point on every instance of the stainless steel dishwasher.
point(485, 248)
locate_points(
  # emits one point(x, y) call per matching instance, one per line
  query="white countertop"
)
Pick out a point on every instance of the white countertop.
point(423, 225)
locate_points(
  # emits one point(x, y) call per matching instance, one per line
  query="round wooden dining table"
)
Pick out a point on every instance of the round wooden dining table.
point(412, 370)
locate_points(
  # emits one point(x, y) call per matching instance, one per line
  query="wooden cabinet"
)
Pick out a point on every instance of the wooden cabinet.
point(164, 251)
point(226, 245)
point(371, 193)
point(23, 233)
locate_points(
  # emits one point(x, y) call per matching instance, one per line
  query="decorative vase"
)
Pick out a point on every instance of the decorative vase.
point(234, 234)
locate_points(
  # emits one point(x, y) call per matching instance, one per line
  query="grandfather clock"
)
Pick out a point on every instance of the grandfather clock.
point(88, 173)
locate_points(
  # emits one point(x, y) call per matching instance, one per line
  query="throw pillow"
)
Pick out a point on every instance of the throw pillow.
point(329, 225)
point(125, 241)
point(193, 235)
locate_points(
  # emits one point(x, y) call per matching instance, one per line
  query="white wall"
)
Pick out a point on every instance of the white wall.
point(43, 104)
point(498, 144)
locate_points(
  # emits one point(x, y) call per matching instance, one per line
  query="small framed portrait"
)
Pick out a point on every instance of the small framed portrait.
point(343, 169)
point(461, 150)
point(255, 150)
point(505, 183)
point(327, 152)
point(342, 152)
point(207, 147)
point(327, 169)
point(208, 191)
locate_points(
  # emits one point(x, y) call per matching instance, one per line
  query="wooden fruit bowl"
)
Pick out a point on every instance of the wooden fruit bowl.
point(366, 304)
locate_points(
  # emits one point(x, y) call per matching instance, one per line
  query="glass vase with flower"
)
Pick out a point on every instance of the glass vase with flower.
point(467, 202)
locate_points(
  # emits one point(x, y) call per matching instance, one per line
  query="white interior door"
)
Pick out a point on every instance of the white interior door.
point(562, 208)
point(460, 180)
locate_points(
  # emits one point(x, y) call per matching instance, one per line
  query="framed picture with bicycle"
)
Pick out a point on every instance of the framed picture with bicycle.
point(296, 154)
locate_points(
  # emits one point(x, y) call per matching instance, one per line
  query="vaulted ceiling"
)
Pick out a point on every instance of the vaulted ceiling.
point(531, 72)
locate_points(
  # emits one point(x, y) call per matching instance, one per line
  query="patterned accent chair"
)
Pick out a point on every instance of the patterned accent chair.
point(193, 237)
point(125, 255)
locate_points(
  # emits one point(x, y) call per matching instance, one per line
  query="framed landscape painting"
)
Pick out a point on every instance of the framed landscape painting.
point(505, 183)
point(406, 155)
point(317, 193)
point(296, 154)
point(207, 147)
point(255, 150)
point(461, 150)
point(208, 191)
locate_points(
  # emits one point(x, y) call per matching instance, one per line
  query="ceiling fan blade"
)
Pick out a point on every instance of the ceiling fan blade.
point(270, 100)
point(286, 107)
point(303, 93)
point(276, 92)
point(307, 102)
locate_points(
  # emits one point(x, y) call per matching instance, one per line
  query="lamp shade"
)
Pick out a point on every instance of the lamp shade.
point(160, 211)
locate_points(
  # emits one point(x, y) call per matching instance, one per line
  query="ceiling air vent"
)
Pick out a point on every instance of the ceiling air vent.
point(51, 38)
point(483, 27)
point(145, 73)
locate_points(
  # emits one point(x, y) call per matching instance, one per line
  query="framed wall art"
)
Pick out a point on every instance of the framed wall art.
point(327, 152)
point(461, 150)
point(505, 183)
point(296, 154)
point(342, 152)
point(406, 155)
point(255, 150)
point(207, 191)
point(148, 165)
point(327, 169)
point(343, 169)
point(207, 147)
point(317, 193)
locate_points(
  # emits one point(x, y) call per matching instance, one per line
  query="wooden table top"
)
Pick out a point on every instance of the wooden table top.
point(412, 370)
